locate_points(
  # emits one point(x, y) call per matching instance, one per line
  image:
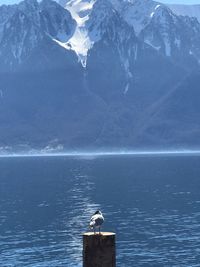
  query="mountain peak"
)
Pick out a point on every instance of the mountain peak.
point(137, 13)
point(29, 24)
point(102, 12)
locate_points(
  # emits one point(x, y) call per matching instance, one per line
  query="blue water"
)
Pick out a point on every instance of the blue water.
point(152, 203)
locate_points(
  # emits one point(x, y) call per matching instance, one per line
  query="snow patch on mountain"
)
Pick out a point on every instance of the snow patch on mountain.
point(152, 14)
point(80, 42)
point(126, 89)
point(80, 9)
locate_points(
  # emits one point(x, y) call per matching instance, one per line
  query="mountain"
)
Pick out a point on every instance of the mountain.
point(165, 33)
point(33, 28)
point(186, 10)
point(158, 26)
point(93, 74)
point(178, 108)
point(152, 22)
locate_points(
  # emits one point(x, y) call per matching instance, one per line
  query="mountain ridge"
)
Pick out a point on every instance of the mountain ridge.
point(186, 10)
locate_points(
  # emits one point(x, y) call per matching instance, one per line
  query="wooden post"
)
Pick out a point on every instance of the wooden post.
point(99, 250)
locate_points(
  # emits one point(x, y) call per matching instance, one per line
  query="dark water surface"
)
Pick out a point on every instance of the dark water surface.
point(152, 203)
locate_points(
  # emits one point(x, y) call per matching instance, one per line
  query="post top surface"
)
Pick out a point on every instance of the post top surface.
point(102, 234)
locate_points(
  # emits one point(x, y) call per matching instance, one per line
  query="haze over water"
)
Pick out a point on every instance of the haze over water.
point(152, 203)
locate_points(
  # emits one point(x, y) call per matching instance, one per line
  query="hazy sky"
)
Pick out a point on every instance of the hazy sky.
point(164, 1)
point(180, 1)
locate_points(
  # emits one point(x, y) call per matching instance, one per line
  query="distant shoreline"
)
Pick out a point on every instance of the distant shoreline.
point(105, 154)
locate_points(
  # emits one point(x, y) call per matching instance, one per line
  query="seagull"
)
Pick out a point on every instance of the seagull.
point(96, 221)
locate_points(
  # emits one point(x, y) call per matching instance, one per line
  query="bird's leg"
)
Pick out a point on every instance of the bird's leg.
point(94, 230)
point(99, 230)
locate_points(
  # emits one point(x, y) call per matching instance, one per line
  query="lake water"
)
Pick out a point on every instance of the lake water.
point(152, 203)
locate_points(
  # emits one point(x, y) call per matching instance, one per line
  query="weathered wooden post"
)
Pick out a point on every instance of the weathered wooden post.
point(99, 250)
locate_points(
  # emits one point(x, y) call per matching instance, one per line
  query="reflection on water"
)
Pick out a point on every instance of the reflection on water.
point(153, 204)
point(57, 243)
point(76, 219)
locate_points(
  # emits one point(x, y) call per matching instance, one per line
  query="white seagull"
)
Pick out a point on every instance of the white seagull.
point(96, 221)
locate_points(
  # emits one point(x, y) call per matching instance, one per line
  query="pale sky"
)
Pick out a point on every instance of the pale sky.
point(164, 1)
point(187, 2)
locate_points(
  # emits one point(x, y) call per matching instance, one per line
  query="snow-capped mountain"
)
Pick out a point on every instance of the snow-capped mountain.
point(91, 72)
point(29, 25)
point(158, 26)
point(83, 23)
point(154, 23)
point(186, 10)
point(165, 33)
